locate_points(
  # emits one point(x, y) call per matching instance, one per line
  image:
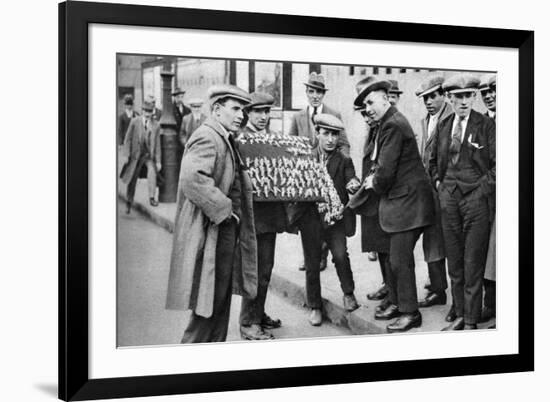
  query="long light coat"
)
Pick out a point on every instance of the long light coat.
point(208, 169)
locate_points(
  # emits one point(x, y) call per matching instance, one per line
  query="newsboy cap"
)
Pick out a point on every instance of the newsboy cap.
point(487, 81)
point(128, 100)
point(431, 84)
point(328, 121)
point(395, 88)
point(316, 81)
point(463, 82)
point(178, 91)
point(217, 92)
point(147, 105)
point(260, 100)
point(366, 86)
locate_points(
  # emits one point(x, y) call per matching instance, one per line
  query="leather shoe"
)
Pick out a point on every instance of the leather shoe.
point(451, 315)
point(405, 322)
point(470, 326)
point(255, 332)
point(428, 286)
point(350, 302)
point(315, 318)
point(391, 312)
point(456, 325)
point(384, 305)
point(128, 206)
point(432, 299)
point(379, 294)
point(494, 326)
point(487, 314)
point(153, 202)
point(270, 323)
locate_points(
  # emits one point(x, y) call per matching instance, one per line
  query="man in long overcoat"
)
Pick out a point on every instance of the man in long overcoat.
point(125, 117)
point(406, 201)
point(141, 148)
point(214, 246)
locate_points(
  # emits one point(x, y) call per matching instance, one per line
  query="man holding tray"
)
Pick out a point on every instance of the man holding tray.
point(269, 219)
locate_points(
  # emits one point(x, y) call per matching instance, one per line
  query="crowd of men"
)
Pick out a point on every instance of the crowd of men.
point(439, 184)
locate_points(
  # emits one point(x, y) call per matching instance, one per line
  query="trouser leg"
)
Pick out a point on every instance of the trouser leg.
point(336, 241)
point(451, 220)
point(214, 328)
point(252, 310)
point(402, 264)
point(438, 276)
point(151, 178)
point(476, 239)
point(489, 299)
point(391, 285)
point(310, 233)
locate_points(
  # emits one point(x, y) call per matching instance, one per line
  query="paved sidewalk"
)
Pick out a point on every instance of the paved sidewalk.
point(289, 282)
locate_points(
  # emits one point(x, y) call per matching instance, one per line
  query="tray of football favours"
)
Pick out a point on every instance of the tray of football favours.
point(285, 168)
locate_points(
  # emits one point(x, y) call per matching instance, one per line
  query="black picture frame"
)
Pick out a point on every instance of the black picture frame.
point(74, 19)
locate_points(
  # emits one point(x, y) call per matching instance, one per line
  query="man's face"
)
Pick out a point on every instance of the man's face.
point(434, 102)
point(179, 98)
point(490, 99)
point(259, 117)
point(366, 117)
point(147, 113)
point(376, 104)
point(462, 102)
point(328, 139)
point(230, 114)
point(315, 96)
point(393, 98)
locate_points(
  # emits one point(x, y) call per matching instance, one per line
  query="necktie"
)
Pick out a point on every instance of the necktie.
point(313, 115)
point(456, 141)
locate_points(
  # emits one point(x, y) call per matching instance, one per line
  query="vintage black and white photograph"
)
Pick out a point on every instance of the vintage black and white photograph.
point(261, 200)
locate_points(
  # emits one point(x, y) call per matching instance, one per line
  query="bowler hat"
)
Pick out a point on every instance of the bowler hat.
point(147, 105)
point(395, 88)
point(260, 100)
point(367, 85)
point(178, 91)
point(328, 121)
point(487, 81)
point(217, 92)
point(431, 84)
point(316, 81)
point(462, 82)
point(128, 100)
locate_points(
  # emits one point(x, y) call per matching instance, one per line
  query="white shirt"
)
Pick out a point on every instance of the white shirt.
point(492, 114)
point(432, 121)
point(464, 124)
point(319, 110)
point(129, 113)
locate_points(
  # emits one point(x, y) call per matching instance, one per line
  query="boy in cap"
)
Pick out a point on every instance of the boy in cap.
point(141, 148)
point(431, 92)
point(191, 121)
point(406, 201)
point(269, 219)
point(214, 247)
point(462, 168)
point(124, 118)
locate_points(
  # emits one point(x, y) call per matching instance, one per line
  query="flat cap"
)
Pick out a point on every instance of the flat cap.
point(260, 100)
point(328, 121)
point(316, 81)
point(195, 102)
point(395, 87)
point(217, 92)
point(366, 86)
point(463, 82)
point(487, 81)
point(178, 91)
point(147, 105)
point(128, 99)
point(431, 84)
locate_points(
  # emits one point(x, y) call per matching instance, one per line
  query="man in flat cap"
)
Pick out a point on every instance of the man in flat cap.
point(406, 201)
point(314, 231)
point(269, 219)
point(214, 246)
point(141, 148)
point(432, 94)
point(488, 92)
point(191, 121)
point(394, 94)
point(462, 167)
point(302, 124)
point(124, 118)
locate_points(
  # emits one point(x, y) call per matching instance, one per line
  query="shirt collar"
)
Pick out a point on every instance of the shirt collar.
point(319, 109)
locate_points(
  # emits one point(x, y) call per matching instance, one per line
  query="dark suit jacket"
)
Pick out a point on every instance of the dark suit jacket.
point(179, 116)
point(122, 126)
point(303, 126)
point(482, 132)
point(426, 143)
point(406, 200)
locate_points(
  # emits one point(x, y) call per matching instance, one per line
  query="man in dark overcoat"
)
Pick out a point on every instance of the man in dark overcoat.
point(214, 246)
point(462, 167)
point(269, 219)
point(141, 148)
point(191, 121)
point(431, 92)
point(125, 117)
point(406, 202)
